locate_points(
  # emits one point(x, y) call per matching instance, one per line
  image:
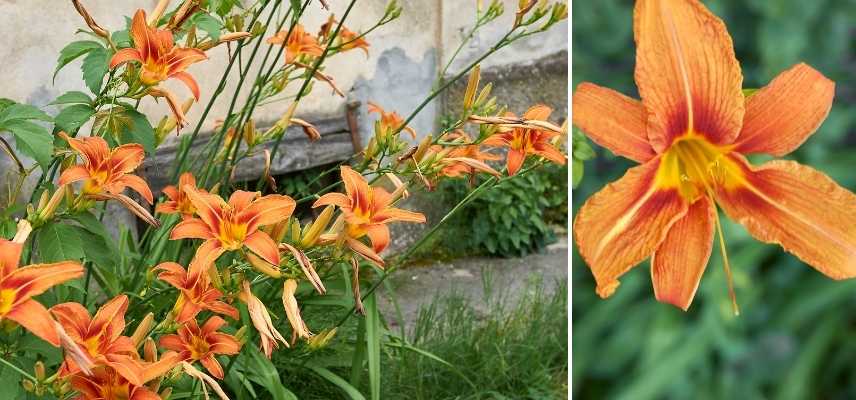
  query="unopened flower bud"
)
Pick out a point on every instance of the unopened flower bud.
point(313, 231)
point(263, 266)
point(47, 211)
point(143, 329)
point(322, 339)
point(39, 369)
point(28, 385)
point(241, 334)
point(150, 350)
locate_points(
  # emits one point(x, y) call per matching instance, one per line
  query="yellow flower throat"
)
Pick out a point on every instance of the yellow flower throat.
point(695, 166)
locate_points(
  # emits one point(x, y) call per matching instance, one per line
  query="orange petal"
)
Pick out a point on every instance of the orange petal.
point(222, 343)
point(138, 185)
point(268, 210)
point(73, 174)
point(171, 342)
point(539, 112)
point(679, 262)
point(167, 207)
point(34, 280)
point(783, 114)
point(35, 318)
point(515, 161)
point(624, 223)
point(336, 199)
point(799, 208)
point(208, 206)
point(182, 58)
point(210, 363)
point(93, 149)
point(261, 244)
point(213, 324)
point(191, 229)
point(208, 252)
point(125, 55)
point(73, 317)
point(612, 120)
point(242, 199)
point(379, 235)
point(397, 214)
point(10, 254)
point(188, 81)
point(356, 187)
point(142, 36)
point(365, 251)
point(548, 151)
point(110, 318)
point(126, 158)
point(686, 71)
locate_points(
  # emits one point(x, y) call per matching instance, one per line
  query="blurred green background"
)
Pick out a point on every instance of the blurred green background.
point(796, 335)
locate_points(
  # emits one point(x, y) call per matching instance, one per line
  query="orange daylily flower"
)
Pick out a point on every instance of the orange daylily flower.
point(690, 133)
point(107, 383)
point(389, 121)
point(366, 212)
point(259, 315)
point(298, 43)
point(460, 159)
point(101, 338)
point(233, 225)
point(197, 293)
point(348, 40)
point(18, 286)
point(178, 201)
point(160, 59)
point(104, 170)
point(522, 141)
point(202, 344)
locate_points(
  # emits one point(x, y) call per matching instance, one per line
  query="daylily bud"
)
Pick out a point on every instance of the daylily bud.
point(257, 29)
point(164, 394)
point(282, 124)
point(43, 200)
point(423, 147)
point(150, 350)
point(264, 266)
point(277, 230)
point(238, 22)
point(143, 329)
point(483, 95)
point(295, 231)
point(157, 13)
point(187, 9)
point(214, 274)
point(313, 230)
point(39, 369)
point(241, 334)
point(48, 210)
point(249, 132)
point(472, 86)
point(322, 339)
point(229, 37)
point(371, 149)
point(28, 385)
point(191, 40)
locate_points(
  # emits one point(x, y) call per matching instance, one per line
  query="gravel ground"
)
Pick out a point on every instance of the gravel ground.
point(417, 286)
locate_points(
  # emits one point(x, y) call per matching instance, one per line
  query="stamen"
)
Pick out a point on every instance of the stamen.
point(726, 266)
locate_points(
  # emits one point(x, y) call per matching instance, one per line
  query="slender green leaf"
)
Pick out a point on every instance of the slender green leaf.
point(373, 336)
point(325, 373)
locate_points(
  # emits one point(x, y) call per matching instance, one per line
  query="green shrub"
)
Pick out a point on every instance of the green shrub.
point(511, 219)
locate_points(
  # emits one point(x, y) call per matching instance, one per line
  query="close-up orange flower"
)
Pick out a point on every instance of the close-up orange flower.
point(18, 286)
point(297, 44)
point(458, 158)
point(366, 211)
point(104, 170)
point(178, 201)
point(690, 133)
point(160, 59)
point(106, 383)
point(233, 225)
point(202, 344)
point(348, 40)
point(389, 122)
point(100, 336)
point(197, 292)
point(523, 141)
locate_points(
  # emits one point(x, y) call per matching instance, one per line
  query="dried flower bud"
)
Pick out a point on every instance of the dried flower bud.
point(157, 13)
point(90, 22)
point(309, 129)
point(24, 229)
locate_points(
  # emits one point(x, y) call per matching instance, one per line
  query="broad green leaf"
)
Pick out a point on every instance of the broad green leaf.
point(121, 38)
point(94, 68)
point(73, 97)
point(59, 242)
point(346, 387)
point(16, 111)
point(74, 50)
point(209, 25)
point(33, 140)
point(138, 130)
point(74, 116)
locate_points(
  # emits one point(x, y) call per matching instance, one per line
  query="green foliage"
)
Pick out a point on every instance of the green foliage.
point(123, 124)
point(74, 50)
point(580, 152)
point(512, 218)
point(514, 351)
point(74, 116)
point(792, 338)
point(95, 67)
point(30, 138)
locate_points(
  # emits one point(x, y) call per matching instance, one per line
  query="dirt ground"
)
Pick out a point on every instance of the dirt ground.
point(418, 286)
